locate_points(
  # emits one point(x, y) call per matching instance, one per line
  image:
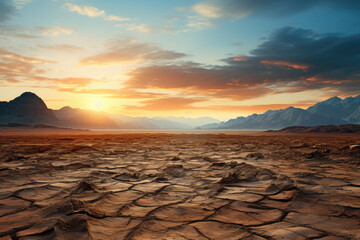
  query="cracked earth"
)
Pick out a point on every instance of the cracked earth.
point(179, 186)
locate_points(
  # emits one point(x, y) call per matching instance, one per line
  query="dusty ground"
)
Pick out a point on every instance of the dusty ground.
point(179, 186)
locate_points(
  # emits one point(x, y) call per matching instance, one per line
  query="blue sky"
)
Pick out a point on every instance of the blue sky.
point(180, 57)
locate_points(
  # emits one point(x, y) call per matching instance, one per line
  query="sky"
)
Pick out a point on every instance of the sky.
point(192, 58)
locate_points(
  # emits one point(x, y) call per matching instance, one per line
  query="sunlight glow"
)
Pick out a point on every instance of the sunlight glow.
point(98, 105)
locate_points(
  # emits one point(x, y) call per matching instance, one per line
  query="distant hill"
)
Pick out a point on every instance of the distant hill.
point(189, 122)
point(28, 108)
point(18, 127)
point(348, 128)
point(126, 122)
point(334, 111)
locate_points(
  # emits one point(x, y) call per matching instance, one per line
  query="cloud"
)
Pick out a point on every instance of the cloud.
point(214, 81)
point(8, 31)
point(199, 23)
point(140, 28)
point(20, 3)
point(208, 10)
point(289, 60)
point(55, 31)
point(114, 93)
point(61, 47)
point(15, 67)
point(243, 8)
point(74, 81)
point(80, 82)
point(87, 10)
point(7, 56)
point(241, 93)
point(283, 63)
point(93, 12)
point(165, 104)
point(322, 57)
point(6, 10)
point(116, 18)
point(172, 30)
point(125, 52)
point(176, 77)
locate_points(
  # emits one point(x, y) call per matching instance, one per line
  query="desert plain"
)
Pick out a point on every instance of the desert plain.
point(179, 186)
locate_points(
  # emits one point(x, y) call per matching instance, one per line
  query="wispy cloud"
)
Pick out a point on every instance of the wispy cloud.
point(71, 81)
point(61, 47)
point(208, 10)
point(169, 29)
point(113, 93)
point(87, 10)
point(127, 52)
point(8, 31)
point(165, 104)
point(116, 18)
point(20, 3)
point(199, 23)
point(55, 31)
point(17, 57)
point(93, 12)
point(15, 67)
point(141, 28)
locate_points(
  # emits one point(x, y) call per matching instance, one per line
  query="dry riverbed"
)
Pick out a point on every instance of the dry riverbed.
point(179, 186)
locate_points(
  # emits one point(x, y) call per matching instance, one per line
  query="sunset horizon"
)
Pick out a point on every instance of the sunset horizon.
point(97, 105)
point(220, 59)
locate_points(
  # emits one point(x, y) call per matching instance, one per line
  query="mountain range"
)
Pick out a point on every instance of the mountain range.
point(126, 122)
point(30, 109)
point(334, 111)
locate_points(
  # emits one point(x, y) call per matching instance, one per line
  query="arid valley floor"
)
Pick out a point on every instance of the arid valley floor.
point(179, 186)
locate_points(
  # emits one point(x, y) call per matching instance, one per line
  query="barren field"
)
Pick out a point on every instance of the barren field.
point(179, 186)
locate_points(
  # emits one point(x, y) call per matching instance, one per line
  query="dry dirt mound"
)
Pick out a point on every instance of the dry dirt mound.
point(348, 128)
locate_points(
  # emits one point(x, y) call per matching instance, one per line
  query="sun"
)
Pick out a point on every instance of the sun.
point(98, 105)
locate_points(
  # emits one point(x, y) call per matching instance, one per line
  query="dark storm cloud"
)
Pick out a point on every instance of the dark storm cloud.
point(7, 9)
point(241, 8)
point(289, 60)
point(325, 56)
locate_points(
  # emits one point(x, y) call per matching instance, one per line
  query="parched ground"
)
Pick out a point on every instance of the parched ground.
point(179, 186)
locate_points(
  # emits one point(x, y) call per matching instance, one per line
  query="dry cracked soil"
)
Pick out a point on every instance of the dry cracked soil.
point(179, 186)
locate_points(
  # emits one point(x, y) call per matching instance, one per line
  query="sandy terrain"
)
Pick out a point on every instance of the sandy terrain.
point(179, 186)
